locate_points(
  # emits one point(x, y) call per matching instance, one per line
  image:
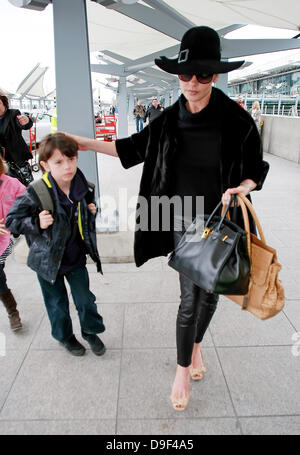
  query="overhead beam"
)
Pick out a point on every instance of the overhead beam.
point(114, 70)
point(231, 28)
point(151, 71)
point(242, 47)
point(37, 5)
point(163, 7)
point(164, 22)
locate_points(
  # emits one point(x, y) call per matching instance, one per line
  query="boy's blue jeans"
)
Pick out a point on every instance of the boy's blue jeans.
point(57, 304)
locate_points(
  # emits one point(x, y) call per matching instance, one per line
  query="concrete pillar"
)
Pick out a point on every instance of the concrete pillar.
point(122, 106)
point(74, 95)
point(222, 82)
point(131, 107)
point(175, 93)
point(279, 104)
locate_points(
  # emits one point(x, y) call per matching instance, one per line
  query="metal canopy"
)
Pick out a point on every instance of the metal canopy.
point(145, 27)
point(32, 84)
point(138, 31)
point(135, 21)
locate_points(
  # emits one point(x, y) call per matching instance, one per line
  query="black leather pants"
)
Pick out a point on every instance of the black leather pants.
point(195, 312)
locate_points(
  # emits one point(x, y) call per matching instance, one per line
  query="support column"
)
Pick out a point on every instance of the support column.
point(175, 93)
point(222, 82)
point(122, 106)
point(73, 78)
point(131, 107)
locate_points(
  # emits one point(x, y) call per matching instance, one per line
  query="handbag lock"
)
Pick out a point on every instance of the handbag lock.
point(207, 231)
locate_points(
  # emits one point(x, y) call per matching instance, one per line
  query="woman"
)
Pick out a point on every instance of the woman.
point(16, 152)
point(202, 145)
point(256, 114)
point(10, 189)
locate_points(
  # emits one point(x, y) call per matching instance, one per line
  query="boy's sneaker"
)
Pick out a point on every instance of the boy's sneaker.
point(95, 343)
point(73, 346)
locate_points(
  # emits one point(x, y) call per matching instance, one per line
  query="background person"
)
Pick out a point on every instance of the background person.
point(16, 152)
point(256, 114)
point(240, 101)
point(153, 111)
point(10, 189)
point(202, 145)
point(139, 113)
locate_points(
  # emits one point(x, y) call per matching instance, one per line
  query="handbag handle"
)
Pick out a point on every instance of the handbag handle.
point(222, 216)
point(246, 224)
point(242, 198)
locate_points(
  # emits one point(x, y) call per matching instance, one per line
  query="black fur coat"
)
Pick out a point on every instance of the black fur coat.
point(241, 158)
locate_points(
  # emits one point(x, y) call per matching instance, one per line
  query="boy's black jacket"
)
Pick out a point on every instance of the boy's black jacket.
point(47, 246)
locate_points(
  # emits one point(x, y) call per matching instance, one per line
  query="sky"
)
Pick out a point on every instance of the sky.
point(26, 38)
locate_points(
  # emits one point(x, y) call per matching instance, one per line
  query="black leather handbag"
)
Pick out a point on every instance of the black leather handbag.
point(21, 171)
point(213, 254)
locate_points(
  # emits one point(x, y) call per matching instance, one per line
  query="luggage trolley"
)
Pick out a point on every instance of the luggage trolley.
point(107, 130)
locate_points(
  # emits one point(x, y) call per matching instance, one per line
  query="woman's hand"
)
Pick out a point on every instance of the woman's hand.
point(3, 231)
point(46, 219)
point(245, 187)
point(82, 142)
point(23, 119)
point(92, 208)
point(85, 143)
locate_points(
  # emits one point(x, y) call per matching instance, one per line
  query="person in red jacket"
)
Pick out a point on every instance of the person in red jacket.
point(240, 101)
point(10, 189)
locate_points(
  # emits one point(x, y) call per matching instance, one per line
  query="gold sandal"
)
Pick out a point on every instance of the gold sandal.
point(179, 404)
point(197, 373)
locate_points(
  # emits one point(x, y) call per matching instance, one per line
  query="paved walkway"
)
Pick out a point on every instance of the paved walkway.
point(253, 369)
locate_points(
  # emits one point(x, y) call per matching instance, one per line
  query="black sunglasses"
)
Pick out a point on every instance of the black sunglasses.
point(203, 78)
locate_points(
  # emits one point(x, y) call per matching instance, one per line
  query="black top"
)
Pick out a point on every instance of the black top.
point(16, 149)
point(197, 160)
point(153, 112)
point(75, 252)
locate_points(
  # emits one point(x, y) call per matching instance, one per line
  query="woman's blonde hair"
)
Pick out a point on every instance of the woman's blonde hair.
point(256, 105)
point(3, 166)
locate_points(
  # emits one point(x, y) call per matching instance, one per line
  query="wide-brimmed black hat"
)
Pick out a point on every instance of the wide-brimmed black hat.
point(200, 52)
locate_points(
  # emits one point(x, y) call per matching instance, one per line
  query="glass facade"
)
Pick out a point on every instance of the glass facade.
point(285, 83)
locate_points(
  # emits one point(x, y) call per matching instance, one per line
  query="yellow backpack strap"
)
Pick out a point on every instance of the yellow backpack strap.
point(80, 220)
point(45, 177)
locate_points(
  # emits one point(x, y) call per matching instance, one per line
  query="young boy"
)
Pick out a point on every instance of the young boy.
point(59, 241)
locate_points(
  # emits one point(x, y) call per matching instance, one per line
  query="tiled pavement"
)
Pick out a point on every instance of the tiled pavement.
point(253, 367)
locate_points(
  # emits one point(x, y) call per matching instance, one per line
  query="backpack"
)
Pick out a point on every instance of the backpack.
point(42, 192)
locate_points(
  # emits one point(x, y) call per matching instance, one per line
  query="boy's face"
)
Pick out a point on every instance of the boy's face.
point(62, 167)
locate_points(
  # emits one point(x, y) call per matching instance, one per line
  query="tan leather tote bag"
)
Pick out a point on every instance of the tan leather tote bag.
point(265, 296)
